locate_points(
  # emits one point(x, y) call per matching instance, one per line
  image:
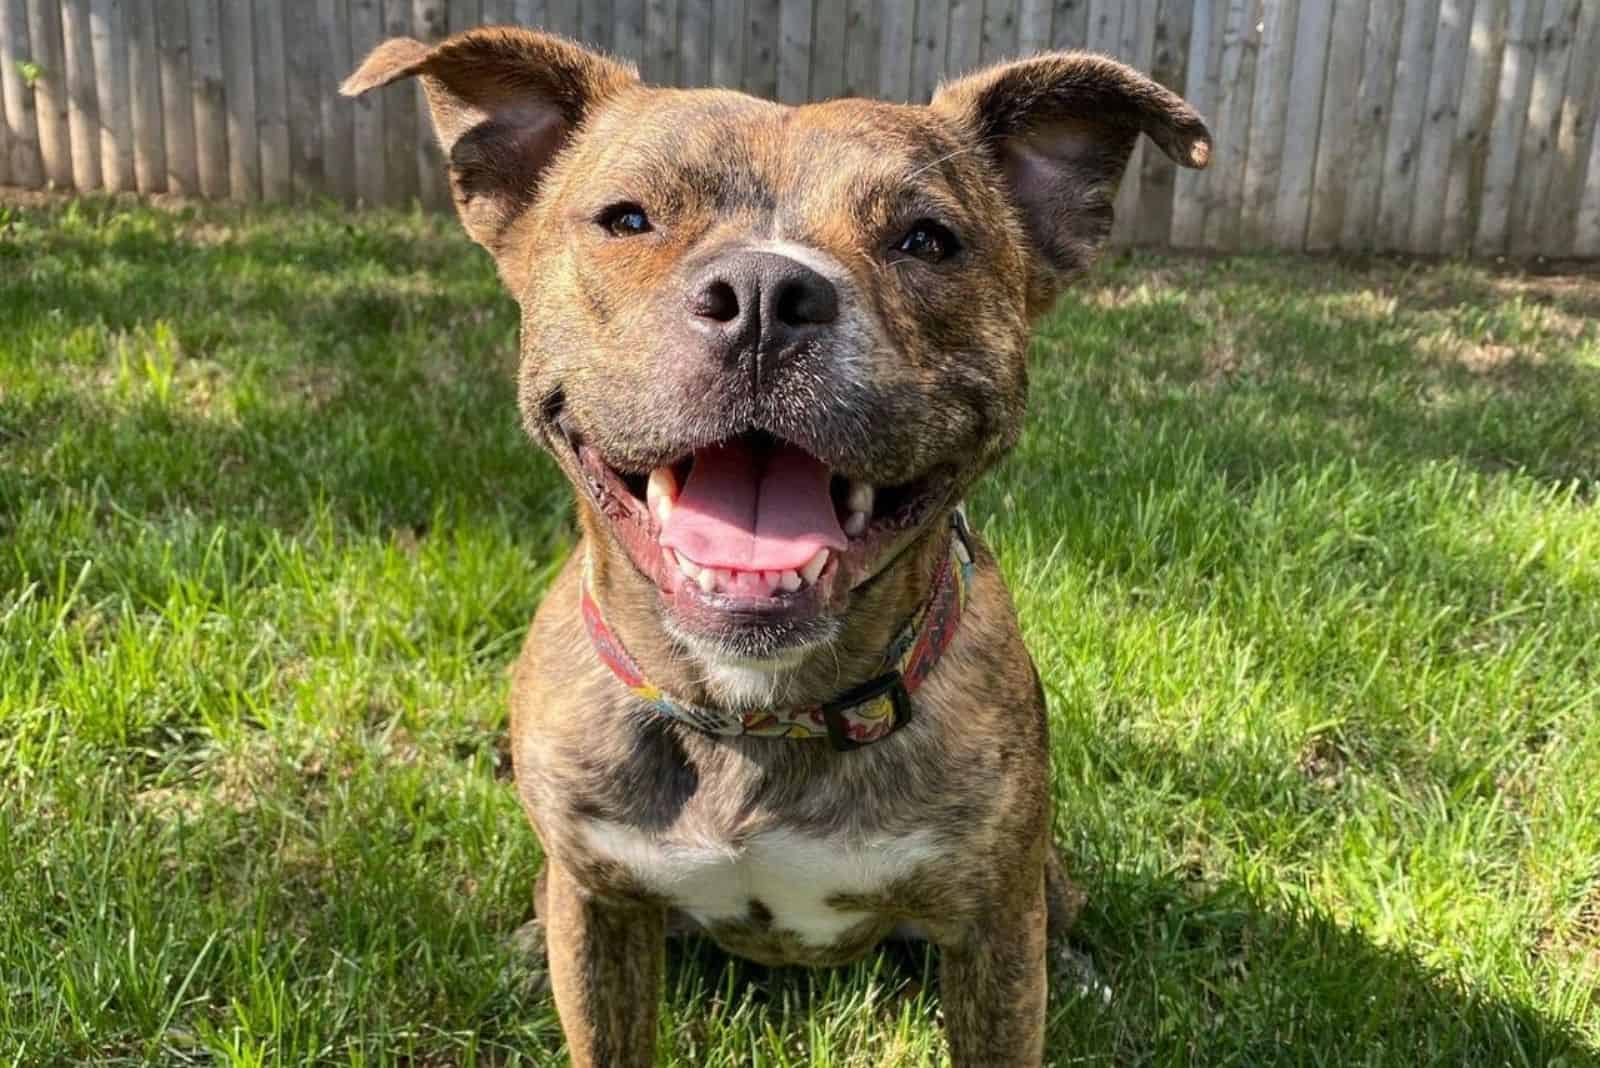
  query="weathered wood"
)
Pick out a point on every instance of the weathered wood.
point(1190, 188)
point(1136, 45)
point(1336, 165)
point(1440, 116)
point(1576, 126)
point(144, 82)
point(565, 16)
point(1505, 136)
point(401, 132)
point(1296, 174)
point(83, 110)
point(370, 165)
point(595, 22)
point(828, 49)
point(1033, 26)
point(897, 36)
point(963, 50)
point(1069, 24)
point(209, 92)
point(336, 57)
point(1586, 240)
point(1236, 133)
point(1105, 25)
point(182, 175)
point(727, 43)
point(694, 43)
point(660, 61)
point(430, 23)
point(928, 50)
point(627, 28)
point(761, 45)
point(22, 164)
point(1469, 144)
point(305, 83)
point(50, 91)
point(239, 83)
point(794, 50)
point(108, 34)
point(1265, 127)
point(1168, 66)
point(1397, 196)
point(862, 43)
point(1374, 95)
point(459, 14)
point(1531, 205)
point(272, 102)
point(1001, 30)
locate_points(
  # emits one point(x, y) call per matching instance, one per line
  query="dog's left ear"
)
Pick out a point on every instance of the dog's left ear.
point(1061, 127)
point(504, 102)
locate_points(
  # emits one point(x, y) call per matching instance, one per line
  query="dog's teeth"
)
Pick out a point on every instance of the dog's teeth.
point(856, 524)
point(724, 579)
point(789, 580)
point(687, 566)
point(814, 566)
point(707, 579)
point(661, 492)
point(771, 579)
point(860, 499)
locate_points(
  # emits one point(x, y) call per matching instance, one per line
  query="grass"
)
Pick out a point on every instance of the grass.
point(1307, 551)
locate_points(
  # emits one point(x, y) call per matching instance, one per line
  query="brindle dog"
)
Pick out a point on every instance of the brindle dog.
point(771, 347)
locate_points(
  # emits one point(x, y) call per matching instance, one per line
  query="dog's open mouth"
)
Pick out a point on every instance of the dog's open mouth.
point(755, 524)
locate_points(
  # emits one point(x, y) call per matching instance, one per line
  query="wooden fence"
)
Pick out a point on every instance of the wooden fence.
point(1458, 126)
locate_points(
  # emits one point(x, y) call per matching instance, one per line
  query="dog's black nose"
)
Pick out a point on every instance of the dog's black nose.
point(758, 309)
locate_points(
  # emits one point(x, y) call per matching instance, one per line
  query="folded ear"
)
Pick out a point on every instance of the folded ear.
point(504, 102)
point(1061, 127)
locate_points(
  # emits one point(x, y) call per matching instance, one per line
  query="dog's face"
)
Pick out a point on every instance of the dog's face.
point(770, 345)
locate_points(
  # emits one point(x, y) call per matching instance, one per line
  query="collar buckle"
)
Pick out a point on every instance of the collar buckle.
point(891, 684)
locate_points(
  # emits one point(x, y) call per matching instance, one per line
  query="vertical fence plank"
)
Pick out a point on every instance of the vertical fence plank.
point(177, 101)
point(897, 38)
point(1135, 46)
point(1573, 130)
point(595, 25)
point(272, 102)
point(627, 28)
point(1586, 241)
point(1105, 25)
point(306, 83)
point(239, 83)
point(794, 50)
point(1237, 82)
point(1293, 210)
point(1190, 189)
point(1505, 136)
point(1374, 95)
point(862, 42)
point(828, 43)
point(1440, 117)
point(1469, 144)
point(565, 17)
point(50, 91)
point(963, 49)
point(727, 43)
point(108, 35)
point(761, 48)
point(209, 92)
point(401, 131)
point(25, 166)
point(83, 105)
point(694, 43)
point(336, 58)
point(429, 24)
point(144, 85)
point(1268, 122)
point(370, 163)
point(1069, 24)
point(1168, 66)
point(1001, 30)
point(1336, 164)
point(928, 48)
point(1033, 26)
point(1397, 195)
point(1534, 162)
point(460, 15)
point(659, 63)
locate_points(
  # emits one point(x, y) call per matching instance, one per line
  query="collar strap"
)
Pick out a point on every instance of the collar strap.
point(862, 714)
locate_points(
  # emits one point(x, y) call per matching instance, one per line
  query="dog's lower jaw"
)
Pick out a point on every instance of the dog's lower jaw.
point(744, 683)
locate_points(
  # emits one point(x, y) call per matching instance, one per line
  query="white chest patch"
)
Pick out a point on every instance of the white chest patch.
point(792, 875)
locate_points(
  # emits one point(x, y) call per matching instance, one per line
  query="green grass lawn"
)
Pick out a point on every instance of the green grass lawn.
point(1308, 553)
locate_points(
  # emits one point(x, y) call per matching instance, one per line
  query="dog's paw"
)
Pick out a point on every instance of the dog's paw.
point(1073, 974)
point(530, 972)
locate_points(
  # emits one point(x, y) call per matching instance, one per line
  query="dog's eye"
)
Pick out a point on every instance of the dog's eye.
point(927, 240)
point(624, 220)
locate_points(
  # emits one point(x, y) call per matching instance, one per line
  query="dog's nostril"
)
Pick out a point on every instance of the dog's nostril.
point(807, 301)
point(718, 301)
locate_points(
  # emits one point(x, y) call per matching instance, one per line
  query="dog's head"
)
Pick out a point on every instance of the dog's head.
point(771, 345)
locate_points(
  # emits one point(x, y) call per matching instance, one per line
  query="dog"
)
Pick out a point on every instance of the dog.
point(778, 694)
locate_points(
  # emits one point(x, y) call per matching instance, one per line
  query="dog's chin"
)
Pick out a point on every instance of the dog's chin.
point(744, 616)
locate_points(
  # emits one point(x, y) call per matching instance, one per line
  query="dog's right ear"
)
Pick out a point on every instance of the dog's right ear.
point(504, 102)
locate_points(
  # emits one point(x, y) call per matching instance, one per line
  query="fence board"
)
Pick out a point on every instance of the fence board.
point(239, 87)
point(108, 37)
point(1105, 25)
point(209, 93)
point(862, 43)
point(1191, 189)
point(1505, 136)
point(828, 50)
point(1033, 26)
point(1169, 37)
point(694, 43)
point(963, 37)
point(370, 159)
point(1574, 129)
point(1374, 95)
point(144, 81)
point(594, 25)
point(50, 92)
point(1239, 135)
point(1474, 117)
point(24, 165)
point(430, 23)
point(727, 43)
point(306, 84)
point(401, 132)
point(761, 47)
point(627, 28)
point(177, 101)
point(1001, 30)
point(898, 38)
point(1293, 211)
point(1136, 46)
point(1537, 156)
point(83, 110)
point(1586, 240)
point(1336, 164)
point(1069, 24)
point(1397, 195)
point(928, 48)
point(1267, 123)
point(794, 50)
point(660, 60)
point(1440, 117)
point(336, 55)
point(272, 102)
point(563, 16)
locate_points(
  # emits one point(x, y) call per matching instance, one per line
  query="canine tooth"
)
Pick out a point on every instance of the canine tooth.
point(789, 580)
point(814, 566)
point(855, 524)
point(661, 492)
point(687, 566)
point(707, 579)
point(860, 499)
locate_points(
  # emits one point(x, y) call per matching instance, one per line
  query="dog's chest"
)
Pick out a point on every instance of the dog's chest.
point(783, 880)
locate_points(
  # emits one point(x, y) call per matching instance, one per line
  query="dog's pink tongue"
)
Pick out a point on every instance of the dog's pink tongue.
point(751, 512)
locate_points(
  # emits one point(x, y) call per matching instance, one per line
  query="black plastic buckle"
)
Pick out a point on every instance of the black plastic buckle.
point(891, 683)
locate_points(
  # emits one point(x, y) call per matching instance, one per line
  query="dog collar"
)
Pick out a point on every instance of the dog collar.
point(862, 714)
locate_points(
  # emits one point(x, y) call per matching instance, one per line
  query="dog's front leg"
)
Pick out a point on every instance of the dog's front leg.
point(605, 969)
point(992, 986)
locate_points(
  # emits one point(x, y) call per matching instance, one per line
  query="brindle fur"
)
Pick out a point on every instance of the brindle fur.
point(926, 370)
